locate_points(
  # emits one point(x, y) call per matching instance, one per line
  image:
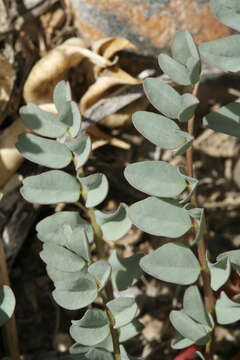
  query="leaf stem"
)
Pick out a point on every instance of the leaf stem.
point(208, 292)
point(107, 293)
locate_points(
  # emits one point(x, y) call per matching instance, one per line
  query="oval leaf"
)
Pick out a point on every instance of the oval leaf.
point(49, 228)
point(189, 104)
point(61, 94)
point(180, 342)
point(77, 294)
point(129, 331)
point(57, 275)
point(194, 307)
point(174, 263)
point(227, 311)
point(42, 122)
point(79, 243)
point(228, 12)
point(51, 187)
point(158, 129)
point(71, 117)
point(91, 329)
point(176, 71)
point(225, 120)
point(44, 151)
point(123, 310)
point(223, 53)
point(101, 271)
point(184, 48)
point(163, 97)
point(96, 186)
point(156, 178)
point(160, 217)
point(60, 258)
point(220, 272)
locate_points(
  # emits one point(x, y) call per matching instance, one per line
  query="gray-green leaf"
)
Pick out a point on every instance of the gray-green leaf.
point(51, 187)
point(228, 12)
point(45, 152)
point(7, 303)
point(220, 272)
point(81, 149)
point(123, 310)
point(61, 94)
point(174, 263)
point(227, 311)
point(156, 178)
point(96, 186)
point(101, 271)
point(176, 71)
point(161, 217)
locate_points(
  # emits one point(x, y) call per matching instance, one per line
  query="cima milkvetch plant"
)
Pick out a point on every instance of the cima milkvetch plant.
point(68, 236)
point(165, 212)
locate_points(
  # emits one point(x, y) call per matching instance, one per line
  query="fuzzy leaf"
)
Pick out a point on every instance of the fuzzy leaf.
point(158, 129)
point(161, 217)
point(227, 311)
point(101, 271)
point(156, 178)
point(194, 307)
point(163, 97)
point(44, 152)
point(189, 328)
point(129, 331)
point(114, 225)
point(71, 117)
point(42, 122)
point(7, 303)
point(49, 228)
point(225, 120)
point(76, 294)
point(61, 258)
point(91, 329)
point(223, 53)
point(176, 71)
point(220, 272)
point(125, 272)
point(61, 94)
point(123, 309)
point(189, 104)
point(81, 149)
point(174, 263)
point(51, 187)
point(228, 12)
point(96, 186)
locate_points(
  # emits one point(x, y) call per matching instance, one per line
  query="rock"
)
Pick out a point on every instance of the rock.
point(150, 25)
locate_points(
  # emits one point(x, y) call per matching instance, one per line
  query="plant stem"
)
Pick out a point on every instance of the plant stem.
point(208, 293)
point(107, 293)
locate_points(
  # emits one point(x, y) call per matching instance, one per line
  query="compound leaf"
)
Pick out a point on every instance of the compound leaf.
point(220, 272)
point(125, 272)
point(44, 151)
point(49, 228)
point(7, 303)
point(158, 129)
point(61, 258)
point(114, 225)
point(163, 97)
point(61, 94)
point(223, 53)
point(42, 122)
point(51, 187)
point(188, 328)
point(225, 120)
point(156, 178)
point(81, 149)
point(176, 71)
point(161, 217)
point(228, 12)
point(227, 311)
point(174, 263)
point(101, 271)
point(123, 309)
point(96, 186)
point(92, 329)
point(76, 294)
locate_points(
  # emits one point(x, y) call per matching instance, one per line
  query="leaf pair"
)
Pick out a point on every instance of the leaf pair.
point(193, 323)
